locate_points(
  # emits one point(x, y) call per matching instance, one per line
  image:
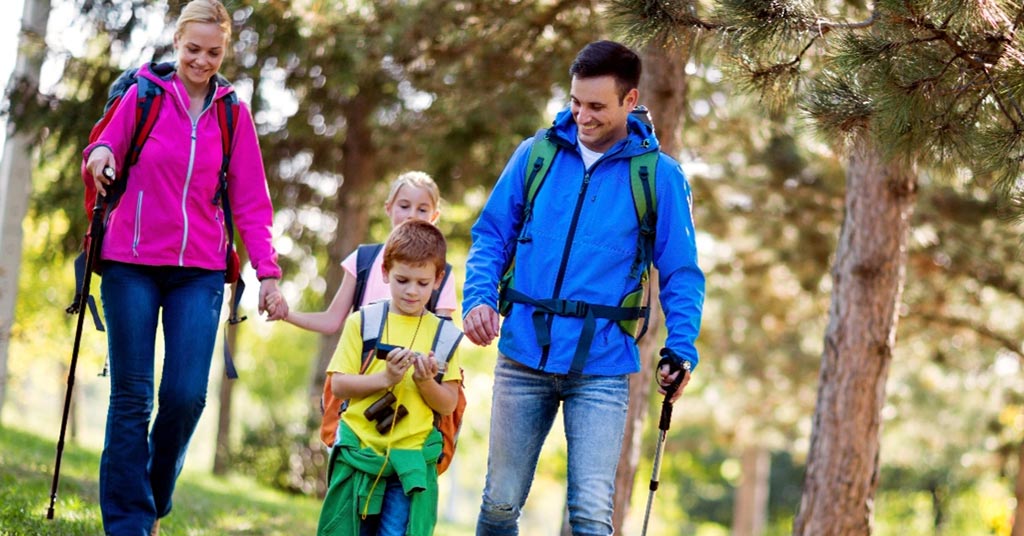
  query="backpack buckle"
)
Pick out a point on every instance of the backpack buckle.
point(574, 308)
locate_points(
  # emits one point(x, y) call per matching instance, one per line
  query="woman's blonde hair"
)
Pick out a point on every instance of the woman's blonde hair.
point(205, 11)
point(417, 179)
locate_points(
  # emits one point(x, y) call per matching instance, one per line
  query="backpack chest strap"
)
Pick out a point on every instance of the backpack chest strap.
point(589, 312)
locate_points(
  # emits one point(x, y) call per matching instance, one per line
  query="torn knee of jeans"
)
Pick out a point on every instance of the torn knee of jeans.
point(502, 510)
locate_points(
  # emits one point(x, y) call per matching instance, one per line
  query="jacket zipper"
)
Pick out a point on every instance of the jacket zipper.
point(565, 256)
point(137, 235)
point(188, 175)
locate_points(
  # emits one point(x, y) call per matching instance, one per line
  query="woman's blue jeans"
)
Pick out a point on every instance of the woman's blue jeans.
point(139, 465)
point(525, 402)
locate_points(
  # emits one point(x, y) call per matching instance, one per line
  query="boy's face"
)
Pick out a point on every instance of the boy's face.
point(411, 286)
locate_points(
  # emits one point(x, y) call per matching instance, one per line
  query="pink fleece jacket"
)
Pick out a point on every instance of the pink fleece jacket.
point(166, 216)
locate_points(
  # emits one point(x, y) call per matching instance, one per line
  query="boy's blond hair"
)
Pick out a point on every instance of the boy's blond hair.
point(211, 11)
point(416, 243)
point(416, 179)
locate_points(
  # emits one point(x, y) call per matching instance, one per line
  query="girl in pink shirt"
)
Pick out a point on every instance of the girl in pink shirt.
point(413, 195)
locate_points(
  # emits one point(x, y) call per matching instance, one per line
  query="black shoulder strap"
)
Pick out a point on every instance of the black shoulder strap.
point(436, 294)
point(365, 254)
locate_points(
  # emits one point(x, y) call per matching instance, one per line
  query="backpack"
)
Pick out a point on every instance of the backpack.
point(365, 255)
point(148, 103)
point(446, 341)
point(636, 304)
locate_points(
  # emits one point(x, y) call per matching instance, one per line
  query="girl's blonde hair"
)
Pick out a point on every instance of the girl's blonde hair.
point(417, 179)
point(205, 11)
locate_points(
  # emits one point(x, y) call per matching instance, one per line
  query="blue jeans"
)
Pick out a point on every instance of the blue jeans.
point(394, 513)
point(138, 473)
point(525, 402)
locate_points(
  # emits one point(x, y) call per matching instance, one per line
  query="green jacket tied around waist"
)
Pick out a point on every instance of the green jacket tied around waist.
point(351, 490)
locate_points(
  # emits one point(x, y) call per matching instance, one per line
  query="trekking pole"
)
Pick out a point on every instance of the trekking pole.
point(666, 420)
point(96, 227)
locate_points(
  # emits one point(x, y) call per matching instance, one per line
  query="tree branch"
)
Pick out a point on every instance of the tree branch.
point(1009, 344)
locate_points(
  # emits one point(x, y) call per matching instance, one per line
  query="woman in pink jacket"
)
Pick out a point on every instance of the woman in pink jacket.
point(165, 249)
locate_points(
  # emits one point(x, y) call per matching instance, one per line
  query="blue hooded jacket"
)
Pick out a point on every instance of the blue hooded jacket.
point(582, 239)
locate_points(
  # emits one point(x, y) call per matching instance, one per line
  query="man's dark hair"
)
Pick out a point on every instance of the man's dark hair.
point(603, 58)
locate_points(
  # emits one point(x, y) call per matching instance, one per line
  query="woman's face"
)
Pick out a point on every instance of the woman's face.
point(201, 47)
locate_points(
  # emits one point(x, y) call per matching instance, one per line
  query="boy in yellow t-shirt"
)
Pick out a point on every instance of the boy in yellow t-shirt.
point(383, 477)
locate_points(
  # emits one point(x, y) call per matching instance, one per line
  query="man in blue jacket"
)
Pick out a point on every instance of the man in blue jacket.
point(575, 249)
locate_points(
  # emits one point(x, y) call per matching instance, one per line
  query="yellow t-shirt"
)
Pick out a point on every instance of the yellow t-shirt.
point(409, 332)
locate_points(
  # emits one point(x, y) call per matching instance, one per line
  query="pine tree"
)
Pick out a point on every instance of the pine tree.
point(930, 85)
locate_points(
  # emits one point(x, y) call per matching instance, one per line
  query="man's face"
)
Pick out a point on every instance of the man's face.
point(600, 115)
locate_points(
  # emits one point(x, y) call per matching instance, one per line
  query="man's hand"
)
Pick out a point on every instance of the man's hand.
point(481, 325)
point(272, 301)
point(669, 369)
point(665, 378)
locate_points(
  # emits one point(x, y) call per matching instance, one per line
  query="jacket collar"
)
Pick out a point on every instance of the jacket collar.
point(639, 139)
point(163, 74)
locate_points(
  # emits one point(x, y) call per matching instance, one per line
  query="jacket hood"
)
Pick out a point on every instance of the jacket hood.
point(162, 74)
point(640, 137)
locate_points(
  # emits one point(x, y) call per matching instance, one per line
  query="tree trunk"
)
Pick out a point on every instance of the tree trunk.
point(663, 91)
point(16, 171)
point(750, 512)
point(222, 454)
point(867, 279)
point(359, 167)
point(1018, 513)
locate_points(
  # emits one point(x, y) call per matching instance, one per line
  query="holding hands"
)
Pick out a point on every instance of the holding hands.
point(272, 301)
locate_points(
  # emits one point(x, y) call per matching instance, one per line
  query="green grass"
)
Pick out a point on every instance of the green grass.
point(203, 504)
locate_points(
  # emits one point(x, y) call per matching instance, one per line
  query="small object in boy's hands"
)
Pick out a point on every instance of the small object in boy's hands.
point(384, 349)
point(108, 172)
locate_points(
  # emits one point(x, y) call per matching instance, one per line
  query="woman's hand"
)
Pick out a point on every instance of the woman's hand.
point(99, 159)
point(272, 301)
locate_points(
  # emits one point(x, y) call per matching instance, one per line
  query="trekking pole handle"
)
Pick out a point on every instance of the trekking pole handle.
point(108, 172)
point(681, 366)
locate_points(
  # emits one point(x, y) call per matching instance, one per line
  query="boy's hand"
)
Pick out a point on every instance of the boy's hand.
point(399, 361)
point(425, 368)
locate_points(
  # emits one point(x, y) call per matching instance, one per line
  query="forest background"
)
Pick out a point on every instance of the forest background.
point(766, 104)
